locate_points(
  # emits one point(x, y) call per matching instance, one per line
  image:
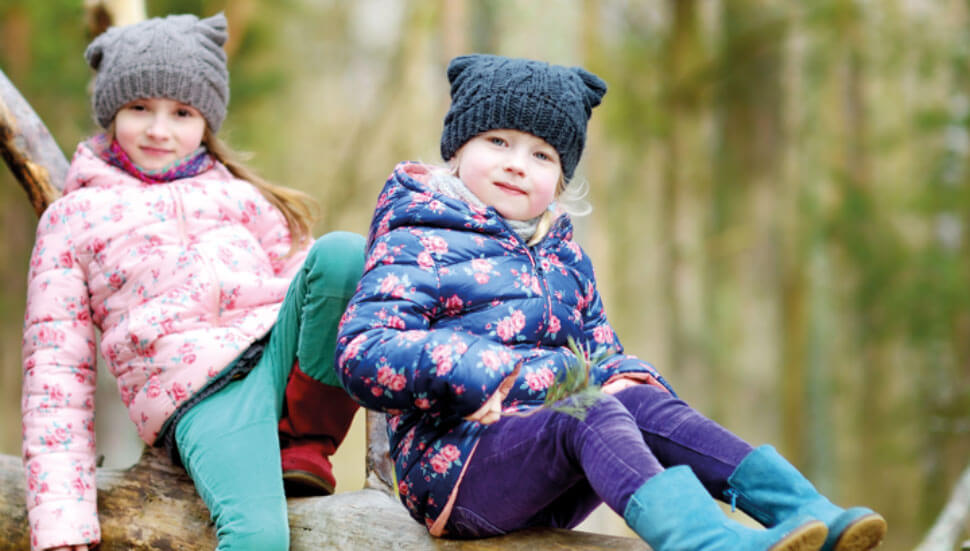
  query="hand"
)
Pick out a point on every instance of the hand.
point(491, 410)
point(618, 384)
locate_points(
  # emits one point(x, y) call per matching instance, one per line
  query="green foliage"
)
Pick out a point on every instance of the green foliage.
point(572, 392)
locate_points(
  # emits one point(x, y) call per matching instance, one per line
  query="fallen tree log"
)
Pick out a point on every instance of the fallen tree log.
point(153, 505)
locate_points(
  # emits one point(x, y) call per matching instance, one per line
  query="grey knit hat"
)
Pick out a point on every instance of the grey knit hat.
point(179, 57)
point(549, 101)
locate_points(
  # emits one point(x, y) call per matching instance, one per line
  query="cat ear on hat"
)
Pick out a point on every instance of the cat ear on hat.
point(94, 53)
point(595, 87)
point(458, 65)
point(215, 28)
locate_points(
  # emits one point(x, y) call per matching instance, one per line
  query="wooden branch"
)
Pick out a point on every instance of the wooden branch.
point(101, 14)
point(28, 148)
point(153, 505)
point(952, 521)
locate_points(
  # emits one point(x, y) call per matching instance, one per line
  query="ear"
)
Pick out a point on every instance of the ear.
point(458, 65)
point(595, 87)
point(215, 28)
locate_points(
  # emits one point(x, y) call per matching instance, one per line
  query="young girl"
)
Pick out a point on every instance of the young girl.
point(472, 291)
point(181, 258)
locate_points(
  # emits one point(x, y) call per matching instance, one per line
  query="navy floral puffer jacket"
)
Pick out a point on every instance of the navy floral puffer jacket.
point(451, 301)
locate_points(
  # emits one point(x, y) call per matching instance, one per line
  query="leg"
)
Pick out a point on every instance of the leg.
point(602, 455)
point(763, 484)
point(679, 435)
point(771, 490)
point(230, 447)
point(605, 452)
point(317, 413)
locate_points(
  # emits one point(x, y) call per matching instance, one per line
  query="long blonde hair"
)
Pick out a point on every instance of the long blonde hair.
point(570, 198)
point(298, 208)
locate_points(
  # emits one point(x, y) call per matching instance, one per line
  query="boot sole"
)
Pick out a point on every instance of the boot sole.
point(863, 534)
point(298, 483)
point(807, 537)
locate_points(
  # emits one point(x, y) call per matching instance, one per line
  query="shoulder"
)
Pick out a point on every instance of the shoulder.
point(406, 245)
point(88, 171)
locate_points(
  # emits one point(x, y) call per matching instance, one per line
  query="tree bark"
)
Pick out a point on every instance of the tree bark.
point(950, 524)
point(153, 505)
point(28, 148)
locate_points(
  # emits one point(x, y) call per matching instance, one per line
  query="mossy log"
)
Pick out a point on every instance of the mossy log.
point(153, 505)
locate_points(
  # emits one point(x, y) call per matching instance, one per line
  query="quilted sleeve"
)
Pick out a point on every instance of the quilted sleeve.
point(57, 399)
point(390, 356)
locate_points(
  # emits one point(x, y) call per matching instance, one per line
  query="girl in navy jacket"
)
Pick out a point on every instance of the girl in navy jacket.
point(474, 292)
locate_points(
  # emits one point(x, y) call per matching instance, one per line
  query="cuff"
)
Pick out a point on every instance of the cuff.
point(63, 523)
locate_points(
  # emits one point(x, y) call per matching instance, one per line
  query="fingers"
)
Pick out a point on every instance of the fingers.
point(491, 410)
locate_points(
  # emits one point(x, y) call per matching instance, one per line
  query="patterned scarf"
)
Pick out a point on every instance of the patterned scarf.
point(451, 186)
point(111, 152)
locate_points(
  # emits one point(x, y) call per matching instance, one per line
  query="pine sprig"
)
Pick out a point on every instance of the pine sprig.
point(572, 393)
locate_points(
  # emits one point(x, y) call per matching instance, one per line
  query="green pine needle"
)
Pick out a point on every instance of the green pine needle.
point(572, 392)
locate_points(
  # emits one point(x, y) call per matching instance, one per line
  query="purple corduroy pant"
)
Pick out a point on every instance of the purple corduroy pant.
point(552, 469)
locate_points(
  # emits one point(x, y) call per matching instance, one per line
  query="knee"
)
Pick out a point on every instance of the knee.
point(605, 411)
point(337, 260)
point(649, 398)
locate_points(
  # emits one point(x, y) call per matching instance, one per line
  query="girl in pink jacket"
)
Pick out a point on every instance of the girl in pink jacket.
point(217, 313)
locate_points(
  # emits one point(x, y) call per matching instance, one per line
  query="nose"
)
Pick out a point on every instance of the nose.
point(157, 128)
point(515, 162)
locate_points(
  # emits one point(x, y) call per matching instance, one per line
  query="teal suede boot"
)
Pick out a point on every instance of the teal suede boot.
point(674, 512)
point(771, 490)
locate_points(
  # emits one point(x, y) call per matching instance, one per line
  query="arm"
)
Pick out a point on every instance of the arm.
point(58, 393)
point(391, 357)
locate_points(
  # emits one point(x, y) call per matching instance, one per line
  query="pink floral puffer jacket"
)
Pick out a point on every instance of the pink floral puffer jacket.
point(179, 278)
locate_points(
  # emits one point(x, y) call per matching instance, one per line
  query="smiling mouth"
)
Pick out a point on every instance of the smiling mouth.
point(509, 188)
point(155, 151)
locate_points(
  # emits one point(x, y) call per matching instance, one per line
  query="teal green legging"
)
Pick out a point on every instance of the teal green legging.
point(229, 442)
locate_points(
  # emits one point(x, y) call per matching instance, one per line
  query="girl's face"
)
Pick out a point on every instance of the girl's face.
point(515, 172)
point(154, 132)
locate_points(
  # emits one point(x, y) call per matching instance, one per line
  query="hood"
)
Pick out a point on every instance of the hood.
point(407, 200)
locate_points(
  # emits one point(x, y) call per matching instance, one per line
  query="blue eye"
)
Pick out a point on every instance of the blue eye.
point(495, 140)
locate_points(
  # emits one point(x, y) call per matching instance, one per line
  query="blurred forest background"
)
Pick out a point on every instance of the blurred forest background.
point(781, 197)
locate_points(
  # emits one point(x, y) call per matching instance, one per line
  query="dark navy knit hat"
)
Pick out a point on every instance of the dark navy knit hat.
point(549, 101)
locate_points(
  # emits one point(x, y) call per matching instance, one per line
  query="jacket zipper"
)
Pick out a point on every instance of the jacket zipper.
point(531, 252)
point(206, 266)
